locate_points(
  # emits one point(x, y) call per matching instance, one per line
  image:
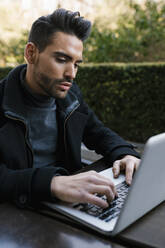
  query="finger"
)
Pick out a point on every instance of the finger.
point(116, 168)
point(104, 190)
point(99, 180)
point(137, 164)
point(98, 201)
point(129, 171)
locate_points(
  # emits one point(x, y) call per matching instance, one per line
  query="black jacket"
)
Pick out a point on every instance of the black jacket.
point(22, 183)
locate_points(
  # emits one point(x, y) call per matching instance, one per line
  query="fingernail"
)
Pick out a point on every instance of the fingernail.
point(129, 182)
point(107, 205)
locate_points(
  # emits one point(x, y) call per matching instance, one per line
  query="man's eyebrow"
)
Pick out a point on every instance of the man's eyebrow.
point(62, 54)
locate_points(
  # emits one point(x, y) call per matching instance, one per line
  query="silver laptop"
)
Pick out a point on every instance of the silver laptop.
point(146, 192)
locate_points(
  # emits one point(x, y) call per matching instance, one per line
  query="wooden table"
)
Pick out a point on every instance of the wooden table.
point(20, 228)
point(26, 229)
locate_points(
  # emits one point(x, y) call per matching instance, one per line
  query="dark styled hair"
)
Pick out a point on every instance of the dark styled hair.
point(61, 20)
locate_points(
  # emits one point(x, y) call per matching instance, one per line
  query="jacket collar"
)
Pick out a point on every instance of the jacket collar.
point(13, 103)
point(67, 105)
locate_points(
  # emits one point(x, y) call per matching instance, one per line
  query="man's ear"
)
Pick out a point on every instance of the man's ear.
point(31, 52)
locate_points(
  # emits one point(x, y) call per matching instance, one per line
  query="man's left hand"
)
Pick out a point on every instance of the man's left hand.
point(129, 164)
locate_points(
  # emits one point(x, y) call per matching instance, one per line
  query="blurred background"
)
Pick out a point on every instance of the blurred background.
point(123, 30)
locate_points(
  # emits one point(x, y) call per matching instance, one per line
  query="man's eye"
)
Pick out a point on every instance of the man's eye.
point(76, 65)
point(61, 60)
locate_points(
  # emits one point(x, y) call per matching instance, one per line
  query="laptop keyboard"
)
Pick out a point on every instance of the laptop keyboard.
point(114, 207)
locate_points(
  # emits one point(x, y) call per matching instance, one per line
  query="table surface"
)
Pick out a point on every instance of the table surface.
point(21, 228)
point(30, 229)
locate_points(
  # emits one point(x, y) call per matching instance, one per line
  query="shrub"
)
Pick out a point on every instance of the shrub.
point(138, 37)
point(4, 71)
point(129, 98)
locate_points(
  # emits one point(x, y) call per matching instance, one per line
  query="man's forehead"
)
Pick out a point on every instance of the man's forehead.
point(67, 44)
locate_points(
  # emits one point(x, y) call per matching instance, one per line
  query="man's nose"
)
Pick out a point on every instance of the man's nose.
point(70, 71)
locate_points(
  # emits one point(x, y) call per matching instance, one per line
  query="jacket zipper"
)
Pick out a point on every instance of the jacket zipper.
point(26, 139)
point(65, 126)
point(16, 119)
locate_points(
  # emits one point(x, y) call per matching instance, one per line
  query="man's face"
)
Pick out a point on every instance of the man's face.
point(55, 68)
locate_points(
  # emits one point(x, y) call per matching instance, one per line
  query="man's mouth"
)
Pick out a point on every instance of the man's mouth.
point(65, 86)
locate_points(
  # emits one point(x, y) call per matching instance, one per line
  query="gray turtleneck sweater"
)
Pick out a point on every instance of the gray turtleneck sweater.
point(41, 118)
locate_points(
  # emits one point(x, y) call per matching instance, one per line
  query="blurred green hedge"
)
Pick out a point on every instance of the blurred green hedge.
point(4, 71)
point(129, 98)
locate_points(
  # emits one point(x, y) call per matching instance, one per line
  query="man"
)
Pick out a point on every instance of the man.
point(44, 119)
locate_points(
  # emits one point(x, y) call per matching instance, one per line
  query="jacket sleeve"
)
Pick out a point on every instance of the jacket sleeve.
point(102, 139)
point(27, 186)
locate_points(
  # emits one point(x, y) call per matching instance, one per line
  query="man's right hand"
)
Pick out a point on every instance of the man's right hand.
point(83, 188)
